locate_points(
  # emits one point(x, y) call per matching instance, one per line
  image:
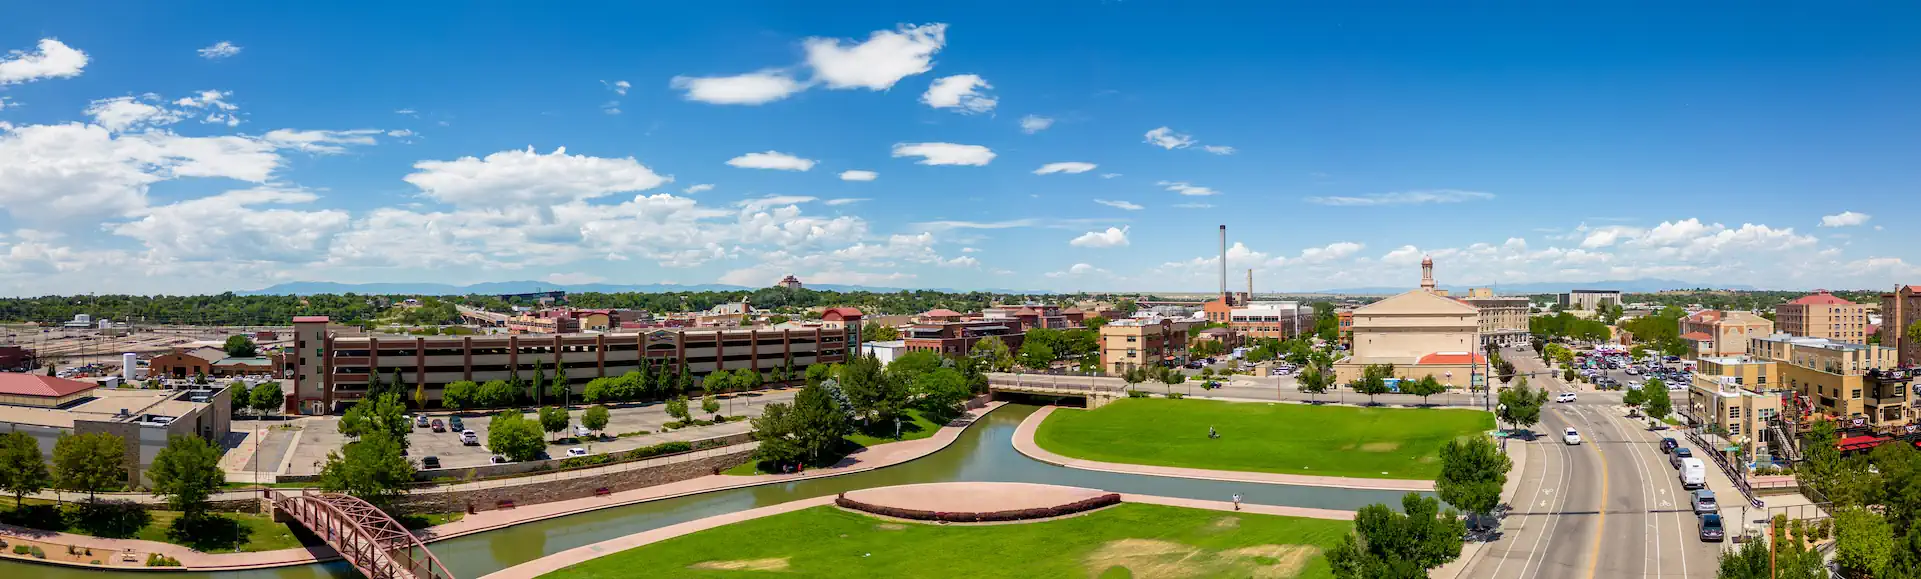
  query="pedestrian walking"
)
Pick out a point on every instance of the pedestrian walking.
point(1237, 501)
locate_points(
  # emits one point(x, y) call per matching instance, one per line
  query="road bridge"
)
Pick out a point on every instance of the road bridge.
point(1096, 391)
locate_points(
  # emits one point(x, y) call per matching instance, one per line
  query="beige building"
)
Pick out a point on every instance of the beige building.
point(1838, 379)
point(1728, 398)
point(1900, 309)
point(1503, 318)
point(1822, 315)
point(1710, 333)
point(1421, 332)
point(1137, 343)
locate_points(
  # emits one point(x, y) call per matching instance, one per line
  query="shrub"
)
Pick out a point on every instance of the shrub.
point(659, 449)
point(39, 554)
point(1175, 396)
point(1137, 394)
point(21, 549)
point(159, 560)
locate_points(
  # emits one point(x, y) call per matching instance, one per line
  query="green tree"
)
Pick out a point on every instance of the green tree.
point(1393, 545)
point(560, 388)
point(876, 398)
point(942, 391)
point(1634, 397)
point(1521, 405)
point(817, 373)
point(186, 473)
point(240, 347)
point(1171, 378)
point(1314, 381)
point(995, 352)
point(384, 414)
point(1424, 387)
point(595, 418)
point(553, 419)
point(677, 408)
point(718, 381)
point(23, 470)
point(1784, 557)
point(497, 393)
point(1094, 322)
point(1913, 334)
point(1655, 402)
point(372, 469)
point(1373, 380)
point(820, 424)
point(748, 380)
point(460, 394)
point(512, 435)
point(710, 405)
point(683, 382)
point(601, 390)
point(537, 390)
point(1472, 472)
point(777, 432)
point(880, 333)
point(265, 398)
point(89, 463)
point(912, 365)
point(1864, 542)
point(1036, 355)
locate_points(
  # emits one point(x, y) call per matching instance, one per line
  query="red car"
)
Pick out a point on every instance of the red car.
point(439, 426)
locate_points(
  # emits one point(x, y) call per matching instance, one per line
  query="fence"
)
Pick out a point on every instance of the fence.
point(1737, 475)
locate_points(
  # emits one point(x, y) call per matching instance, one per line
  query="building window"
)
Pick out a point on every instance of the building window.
point(1734, 412)
point(1856, 394)
point(1734, 429)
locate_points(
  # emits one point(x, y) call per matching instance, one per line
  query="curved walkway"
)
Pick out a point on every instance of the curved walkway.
point(984, 491)
point(874, 457)
point(1024, 442)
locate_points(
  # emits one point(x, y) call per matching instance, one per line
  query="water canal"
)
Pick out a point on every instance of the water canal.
point(984, 453)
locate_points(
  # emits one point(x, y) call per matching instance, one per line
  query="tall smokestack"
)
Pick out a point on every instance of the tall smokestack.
point(1250, 284)
point(1223, 262)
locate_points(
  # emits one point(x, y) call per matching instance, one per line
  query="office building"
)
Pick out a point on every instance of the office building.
point(1420, 332)
point(1833, 377)
point(1822, 315)
point(1710, 333)
point(956, 338)
point(1901, 309)
point(1141, 343)
point(1588, 299)
point(46, 408)
point(1503, 318)
point(1276, 320)
point(1732, 392)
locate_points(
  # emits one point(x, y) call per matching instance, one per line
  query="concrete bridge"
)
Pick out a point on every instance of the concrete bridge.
point(1096, 391)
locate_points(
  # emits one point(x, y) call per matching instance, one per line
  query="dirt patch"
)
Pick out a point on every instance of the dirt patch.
point(1380, 446)
point(890, 527)
point(743, 565)
point(1225, 523)
point(1156, 559)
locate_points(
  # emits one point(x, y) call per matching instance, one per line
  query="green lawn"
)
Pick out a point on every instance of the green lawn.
point(917, 426)
point(1400, 443)
point(218, 533)
point(1130, 540)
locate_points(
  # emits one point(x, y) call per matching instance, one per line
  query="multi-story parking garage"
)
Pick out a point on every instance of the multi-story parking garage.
point(331, 364)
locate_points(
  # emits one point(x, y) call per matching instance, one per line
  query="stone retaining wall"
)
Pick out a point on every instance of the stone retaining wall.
point(536, 491)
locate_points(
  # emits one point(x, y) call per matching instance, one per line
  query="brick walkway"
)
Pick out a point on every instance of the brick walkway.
point(1024, 442)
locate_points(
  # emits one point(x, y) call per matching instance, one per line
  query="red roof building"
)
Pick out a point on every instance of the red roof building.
point(840, 314)
point(1822, 315)
point(310, 319)
point(1452, 358)
point(41, 391)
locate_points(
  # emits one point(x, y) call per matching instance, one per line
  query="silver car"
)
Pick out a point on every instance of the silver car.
point(1704, 502)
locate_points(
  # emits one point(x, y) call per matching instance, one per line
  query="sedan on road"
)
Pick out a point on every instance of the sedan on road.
point(1711, 528)
point(1571, 437)
point(439, 426)
point(1668, 445)
point(1704, 502)
point(1565, 397)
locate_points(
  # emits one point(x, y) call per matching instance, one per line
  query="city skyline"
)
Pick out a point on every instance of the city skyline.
point(1087, 146)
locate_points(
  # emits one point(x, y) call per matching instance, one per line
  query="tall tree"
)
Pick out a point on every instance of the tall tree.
point(595, 418)
point(186, 473)
point(383, 414)
point(717, 381)
point(538, 389)
point(372, 468)
point(816, 373)
point(995, 352)
point(1864, 542)
point(265, 398)
point(460, 394)
point(1390, 544)
point(819, 422)
point(875, 397)
point(1655, 402)
point(23, 470)
point(1036, 355)
point(561, 389)
point(512, 435)
point(942, 391)
point(1314, 381)
point(89, 463)
point(1472, 472)
point(240, 347)
point(1521, 405)
point(553, 419)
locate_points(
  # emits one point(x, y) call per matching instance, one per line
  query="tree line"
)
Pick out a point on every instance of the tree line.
point(186, 473)
point(862, 396)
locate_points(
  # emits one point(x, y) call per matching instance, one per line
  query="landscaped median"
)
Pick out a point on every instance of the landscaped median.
point(1278, 438)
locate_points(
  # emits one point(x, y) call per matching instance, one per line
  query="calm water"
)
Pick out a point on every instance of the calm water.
point(984, 453)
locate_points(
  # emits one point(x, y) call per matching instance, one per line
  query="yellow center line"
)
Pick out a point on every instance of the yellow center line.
point(1599, 532)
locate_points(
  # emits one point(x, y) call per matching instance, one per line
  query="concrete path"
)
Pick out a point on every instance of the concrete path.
point(1024, 442)
point(973, 497)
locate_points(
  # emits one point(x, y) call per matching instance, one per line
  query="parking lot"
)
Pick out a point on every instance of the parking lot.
point(323, 433)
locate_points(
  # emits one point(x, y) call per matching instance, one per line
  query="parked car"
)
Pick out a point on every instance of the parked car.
point(576, 451)
point(1571, 437)
point(430, 462)
point(582, 431)
point(439, 426)
point(1711, 528)
point(1668, 445)
point(1694, 474)
point(497, 459)
point(420, 421)
point(1704, 502)
point(1677, 453)
point(454, 423)
point(469, 438)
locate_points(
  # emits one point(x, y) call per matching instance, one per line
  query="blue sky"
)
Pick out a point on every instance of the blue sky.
point(202, 147)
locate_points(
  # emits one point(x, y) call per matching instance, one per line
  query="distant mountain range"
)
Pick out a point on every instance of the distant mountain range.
point(1553, 287)
point(521, 287)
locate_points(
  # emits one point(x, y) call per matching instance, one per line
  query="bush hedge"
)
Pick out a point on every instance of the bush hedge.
point(1105, 500)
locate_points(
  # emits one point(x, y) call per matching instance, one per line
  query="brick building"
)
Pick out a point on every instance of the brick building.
point(1822, 315)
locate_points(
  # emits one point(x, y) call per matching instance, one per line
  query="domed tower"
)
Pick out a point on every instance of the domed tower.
point(1427, 274)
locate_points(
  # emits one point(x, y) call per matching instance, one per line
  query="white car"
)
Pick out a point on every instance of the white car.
point(582, 431)
point(1565, 397)
point(1571, 437)
point(469, 438)
point(576, 451)
point(1631, 371)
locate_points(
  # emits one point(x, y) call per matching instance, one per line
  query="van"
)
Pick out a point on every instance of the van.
point(1694, 474)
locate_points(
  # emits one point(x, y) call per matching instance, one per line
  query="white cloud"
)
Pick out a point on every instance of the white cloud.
point(1120, 205)
point(523, 176)
point(1065, 167)
point(747, 89)
point(1113, 237)
point(946, 225)
point(573, 278)
point(1184, 188)
point(404, 111)
point(960, 92)
point(969, 250)
point(1193, 205)
point(886, 57)
point(1109, 175)
point(610, 107)
point(1607, 236)
point(619, 86)
point(1403, 255)
point(1331, 252)
point(402, 133)
point(1845, 219)
point(962, 261)
point(760, 203)
point(858, 175)
point(775, 160)
point(698, 188)
point(123, 113)
point(54, 60)
point(74, 170)
point(1219, 149)
point(1166, 138)
point(1078, 269)
point(233, 226)
point(219, 50)
point(219, 111)
point(845, 201)
point(1031, 124)
point(321, 142)
point(1404, 198)
point(945, 153)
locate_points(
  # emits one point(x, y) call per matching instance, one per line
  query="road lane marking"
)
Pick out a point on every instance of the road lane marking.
point(1565, 460)
point(1595, 559)
point(1649, 482)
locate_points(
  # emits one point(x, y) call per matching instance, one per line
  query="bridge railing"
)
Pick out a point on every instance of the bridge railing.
point(372, 541)
point(1054, 382)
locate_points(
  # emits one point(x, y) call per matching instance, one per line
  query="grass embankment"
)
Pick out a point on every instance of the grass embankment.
point(916, 424)
point(215, 533)
point(1130, 540)
point(1395, 443)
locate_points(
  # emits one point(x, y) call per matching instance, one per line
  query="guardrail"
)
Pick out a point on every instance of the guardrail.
point(1737, 476)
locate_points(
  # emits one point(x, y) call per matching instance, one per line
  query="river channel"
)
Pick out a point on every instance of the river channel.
point(985, 452)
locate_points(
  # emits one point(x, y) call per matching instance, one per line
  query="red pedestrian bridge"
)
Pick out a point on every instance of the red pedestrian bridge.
point(373, 542)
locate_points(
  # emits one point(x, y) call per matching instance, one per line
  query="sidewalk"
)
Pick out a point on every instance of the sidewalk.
point(1024, 443)
point(1472, 550)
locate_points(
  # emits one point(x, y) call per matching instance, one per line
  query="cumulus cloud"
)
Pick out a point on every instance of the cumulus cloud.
point(128, 112)
point(619, 87)
point(1078, 269)
point(100, 172)
point(698, 188)
point(246, 225)
point(1065, 167)
point(945, 153)
point(1113, 237)
point(219, 50)
point(1166, 138)
point(1031, 124)
point(962, 261)
point(876, 64)
point(1185, 188)
point(1120, 205)
point(961, 92)
point(857, 175)
point(1845, 219)
point(1404, 198)
point(53, 60)
point(523, 176)
point(753, 88)
point(775, 160)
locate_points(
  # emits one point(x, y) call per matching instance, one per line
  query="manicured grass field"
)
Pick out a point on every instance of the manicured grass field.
point(218, 533)
point(1400, 443)
point(1129, 540)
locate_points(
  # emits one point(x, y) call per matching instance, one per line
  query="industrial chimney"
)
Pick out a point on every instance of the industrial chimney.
point(1223, 262)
